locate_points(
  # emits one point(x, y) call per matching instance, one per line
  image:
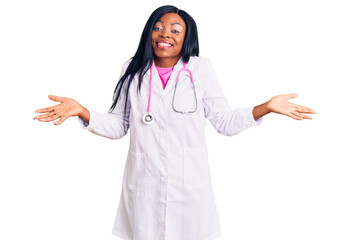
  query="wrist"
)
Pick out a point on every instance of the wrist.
point(261, 110)
point(268, 106)
point(85, 114)
point(82, 111)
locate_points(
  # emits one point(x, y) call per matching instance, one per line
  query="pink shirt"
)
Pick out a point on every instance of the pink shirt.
point(164, 74)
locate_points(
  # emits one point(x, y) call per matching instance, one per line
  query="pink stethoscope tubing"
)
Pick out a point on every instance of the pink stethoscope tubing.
point(148, 117)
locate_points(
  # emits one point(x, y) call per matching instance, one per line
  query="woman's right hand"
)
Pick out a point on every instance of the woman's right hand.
point(67, 108)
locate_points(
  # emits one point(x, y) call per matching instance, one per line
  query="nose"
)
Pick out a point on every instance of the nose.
point(165, 33)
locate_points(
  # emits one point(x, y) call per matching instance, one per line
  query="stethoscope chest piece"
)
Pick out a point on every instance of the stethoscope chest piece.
point(147, 118)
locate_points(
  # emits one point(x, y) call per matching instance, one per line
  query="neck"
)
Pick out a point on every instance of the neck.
point(164, 62)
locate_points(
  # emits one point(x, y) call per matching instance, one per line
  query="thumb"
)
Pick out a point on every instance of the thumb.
point(291, 95)
point(56, 98)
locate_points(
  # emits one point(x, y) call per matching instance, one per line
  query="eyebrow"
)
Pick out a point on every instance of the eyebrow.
point(170, 24)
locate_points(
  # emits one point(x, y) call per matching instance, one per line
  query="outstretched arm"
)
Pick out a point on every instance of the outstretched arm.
point(279, 104)
point(113, 125)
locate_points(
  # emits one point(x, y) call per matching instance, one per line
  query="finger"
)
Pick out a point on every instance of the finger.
point(289, 114)
point(304, 116)
point(63, 118)
point(295, 116)
point(44, 115)
point(301, 116)
point(303, 109)
point(49, 119)
point(291, 95)
point(43, 110)
point(56, 98)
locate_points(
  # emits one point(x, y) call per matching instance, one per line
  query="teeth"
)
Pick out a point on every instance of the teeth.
point(164, 44)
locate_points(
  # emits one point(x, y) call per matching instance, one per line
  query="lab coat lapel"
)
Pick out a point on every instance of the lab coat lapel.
point(169, 88)
point(157, 83)
point(157, 86)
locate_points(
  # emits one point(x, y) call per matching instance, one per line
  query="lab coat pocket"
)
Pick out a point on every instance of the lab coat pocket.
point(196, 169)
point(134, 170)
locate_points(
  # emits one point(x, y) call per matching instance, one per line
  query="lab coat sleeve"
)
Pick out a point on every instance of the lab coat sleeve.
point(113, 125)
point(226, 121)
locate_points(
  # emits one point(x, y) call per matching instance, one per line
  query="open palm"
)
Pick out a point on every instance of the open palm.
point(280, 104)
point(67, 108)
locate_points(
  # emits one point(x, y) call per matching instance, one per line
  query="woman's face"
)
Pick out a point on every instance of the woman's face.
point(168, 36)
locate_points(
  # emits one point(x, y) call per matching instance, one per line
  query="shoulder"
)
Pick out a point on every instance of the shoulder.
point(200, 63)
point(198, 60)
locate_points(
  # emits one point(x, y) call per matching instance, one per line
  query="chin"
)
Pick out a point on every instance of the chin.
point(163, 55)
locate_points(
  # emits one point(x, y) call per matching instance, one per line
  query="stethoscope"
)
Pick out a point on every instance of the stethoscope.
point(148, 117)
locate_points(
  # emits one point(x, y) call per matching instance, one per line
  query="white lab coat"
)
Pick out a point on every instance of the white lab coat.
point(166, 190)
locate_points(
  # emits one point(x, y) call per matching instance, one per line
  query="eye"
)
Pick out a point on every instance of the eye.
point(157, 29)
point(175, 31)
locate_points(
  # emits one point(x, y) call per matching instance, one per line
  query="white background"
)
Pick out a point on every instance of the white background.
point(285, 179)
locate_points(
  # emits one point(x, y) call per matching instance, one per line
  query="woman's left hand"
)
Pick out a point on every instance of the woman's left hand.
point(279, 104)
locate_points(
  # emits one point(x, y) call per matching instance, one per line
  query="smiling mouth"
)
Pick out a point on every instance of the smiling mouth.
point(163, 45)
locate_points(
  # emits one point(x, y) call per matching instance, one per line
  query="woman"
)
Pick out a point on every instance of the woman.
point(166, 190)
